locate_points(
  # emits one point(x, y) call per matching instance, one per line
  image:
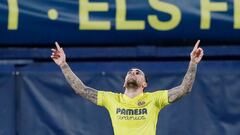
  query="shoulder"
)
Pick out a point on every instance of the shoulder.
point(160, 97)
point(108, 93)
point(158, 93)
point(106, 97)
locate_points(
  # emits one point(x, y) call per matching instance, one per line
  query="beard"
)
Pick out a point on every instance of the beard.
point(132, 83)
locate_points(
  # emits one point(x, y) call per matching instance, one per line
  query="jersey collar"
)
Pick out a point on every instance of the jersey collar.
point(128, 99)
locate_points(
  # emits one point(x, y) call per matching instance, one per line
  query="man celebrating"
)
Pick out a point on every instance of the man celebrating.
point(135, 112)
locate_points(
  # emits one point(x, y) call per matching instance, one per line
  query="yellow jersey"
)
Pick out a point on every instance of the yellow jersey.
point(133, 116)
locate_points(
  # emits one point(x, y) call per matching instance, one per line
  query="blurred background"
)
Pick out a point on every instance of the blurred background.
point(102, 39)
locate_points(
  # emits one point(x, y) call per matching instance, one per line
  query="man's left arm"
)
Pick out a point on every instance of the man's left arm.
point(178, 92)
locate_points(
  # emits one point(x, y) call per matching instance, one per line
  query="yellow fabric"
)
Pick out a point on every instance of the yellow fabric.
point(134, 116)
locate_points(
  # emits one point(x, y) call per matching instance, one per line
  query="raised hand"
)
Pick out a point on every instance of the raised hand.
point(58, 55)
point(197, 53)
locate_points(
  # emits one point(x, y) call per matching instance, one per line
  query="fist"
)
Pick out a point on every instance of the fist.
point(197, 53)
point(58, 55)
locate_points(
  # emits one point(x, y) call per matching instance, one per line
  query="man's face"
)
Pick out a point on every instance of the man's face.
point(134, 79)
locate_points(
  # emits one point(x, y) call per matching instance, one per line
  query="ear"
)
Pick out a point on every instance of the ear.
point(145, 84)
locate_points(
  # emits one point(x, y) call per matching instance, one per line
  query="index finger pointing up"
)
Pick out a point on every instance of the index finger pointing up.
point(57, 45)
point(196, 45)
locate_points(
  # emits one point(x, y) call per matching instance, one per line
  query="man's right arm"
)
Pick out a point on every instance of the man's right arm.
point(59, 58)
point(78, 86)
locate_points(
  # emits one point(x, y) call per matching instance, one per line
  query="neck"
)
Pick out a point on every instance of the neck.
point(133, 92)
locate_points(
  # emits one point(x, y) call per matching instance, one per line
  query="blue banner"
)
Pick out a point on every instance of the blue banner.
point(37, 100)
point(117, 21)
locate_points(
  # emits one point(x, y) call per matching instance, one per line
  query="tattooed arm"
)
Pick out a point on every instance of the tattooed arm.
point(78, 86)
point(59, 58)
point(176, 93)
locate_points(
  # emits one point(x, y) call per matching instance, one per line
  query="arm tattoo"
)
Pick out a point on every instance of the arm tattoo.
point(176, 93)
point(78, 86)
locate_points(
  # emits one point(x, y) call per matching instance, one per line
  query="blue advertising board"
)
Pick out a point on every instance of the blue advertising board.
point(117, 21)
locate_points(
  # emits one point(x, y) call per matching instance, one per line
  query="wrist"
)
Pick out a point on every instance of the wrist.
point(63, 64)
point(193, 64)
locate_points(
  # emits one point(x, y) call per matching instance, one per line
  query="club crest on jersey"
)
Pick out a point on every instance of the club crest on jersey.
point(141, 103)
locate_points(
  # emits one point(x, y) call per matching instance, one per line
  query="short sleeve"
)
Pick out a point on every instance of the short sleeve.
point(104, 98)
point(161, 98)
point(100, 96)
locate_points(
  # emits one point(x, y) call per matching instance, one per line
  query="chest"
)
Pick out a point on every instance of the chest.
point(135, 110)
